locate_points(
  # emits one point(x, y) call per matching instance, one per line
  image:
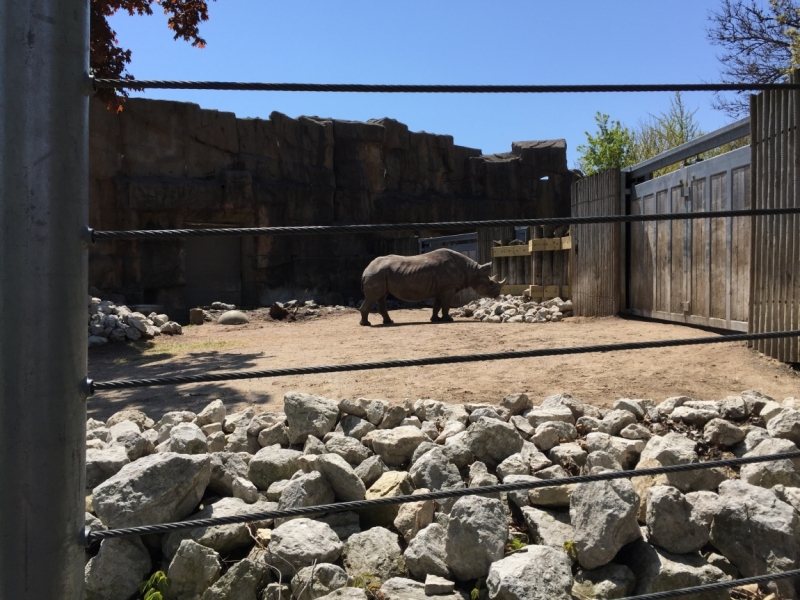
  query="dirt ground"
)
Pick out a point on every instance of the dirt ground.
point(702, 372)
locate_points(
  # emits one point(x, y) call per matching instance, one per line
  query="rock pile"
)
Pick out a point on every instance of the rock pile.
point(515, 309)
point(590, 540)
point(109, 322)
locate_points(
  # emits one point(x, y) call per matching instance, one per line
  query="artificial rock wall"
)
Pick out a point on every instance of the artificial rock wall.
point(162, 164)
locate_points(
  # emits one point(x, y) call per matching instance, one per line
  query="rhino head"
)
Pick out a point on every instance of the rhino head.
point(486, 284)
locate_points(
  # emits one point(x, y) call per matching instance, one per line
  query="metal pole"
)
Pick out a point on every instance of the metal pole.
point(43, 290)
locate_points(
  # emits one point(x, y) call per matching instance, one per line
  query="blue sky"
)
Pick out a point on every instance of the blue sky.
point(434, 41)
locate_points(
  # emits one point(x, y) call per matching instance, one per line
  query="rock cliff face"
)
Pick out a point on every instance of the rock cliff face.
point(162, 164)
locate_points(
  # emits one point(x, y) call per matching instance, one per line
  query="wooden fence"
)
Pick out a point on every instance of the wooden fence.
point(775, 282)
point(538, 268)
point(595, 257)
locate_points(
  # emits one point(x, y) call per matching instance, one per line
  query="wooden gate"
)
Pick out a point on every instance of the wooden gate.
point(775, 282)
point(697, 271)
point(595, 257)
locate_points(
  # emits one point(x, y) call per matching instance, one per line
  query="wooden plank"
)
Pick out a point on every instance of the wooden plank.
point(663, 253)
point(699, 249)
point(505, 251)
point(718, 274)
point(514, 290)
point(677, 264)
point(690, 320)
point(740, 245)
point(566, 243)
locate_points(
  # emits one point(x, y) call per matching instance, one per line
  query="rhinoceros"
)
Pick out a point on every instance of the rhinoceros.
point(439, 275)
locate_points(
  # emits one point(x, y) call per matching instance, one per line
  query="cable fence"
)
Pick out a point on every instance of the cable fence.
point(436, 226)
point(142, 84)
point(121, 384)
point(440, 495)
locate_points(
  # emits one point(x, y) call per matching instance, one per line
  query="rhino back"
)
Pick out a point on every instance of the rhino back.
point(416, 278)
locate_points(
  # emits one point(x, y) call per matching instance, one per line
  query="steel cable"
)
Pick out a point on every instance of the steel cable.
point(710, 587)
point(440, 495)
point(436, 226)
point(122, 384)
point(142, 84)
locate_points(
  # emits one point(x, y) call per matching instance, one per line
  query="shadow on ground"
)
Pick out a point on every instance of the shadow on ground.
point(141, 361)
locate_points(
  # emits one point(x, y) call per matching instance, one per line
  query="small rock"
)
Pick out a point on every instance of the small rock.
point(245, 490)
point(272, 464)
point(370, 470)
point(532, 573)
point(548, 527)
point(317, 581)
point(399, 588)
point(376, 552)
point(778, 472)
point(476, 536)
point(733, 408)
point(672, 524)
point(516, 404)
point(492, 441)
point(116, 571)
point(186, 438)
point(310, 489)
point(603, 514)
point(396, 446)
point(426, 554)
point(193, 569)
point(356, 427)
point(390, 484)
point(414, 516)
point(785, 425)
point(242, 581)
point(213, 413)
point(720, 432)
point(309, 414)
point(341, 477)
point(604, 583)
point(350, 449)
point(302, 542)
point(635, 431)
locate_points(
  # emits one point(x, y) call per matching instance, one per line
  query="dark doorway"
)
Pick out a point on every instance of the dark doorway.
point(213, 271)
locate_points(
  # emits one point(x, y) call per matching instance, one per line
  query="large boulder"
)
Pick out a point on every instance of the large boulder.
point(414, 516)
point(657, 570)
point(396, 446)
point(754, 530)
point(492, 441)
point(603, 514)
point(476, 536)
point(309, 414)
point(273, 464)
point(192, 570)
point(159, 488)
point(214, 412)
point(117, 570)
point(532, 573)
point(300, 543)
point(375, 551)
point(222, 538)
point(186, 438)
point(435, 472)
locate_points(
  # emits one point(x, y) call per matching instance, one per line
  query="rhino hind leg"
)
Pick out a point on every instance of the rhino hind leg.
point(383, 309)
point(365, 308)
point(437, 305)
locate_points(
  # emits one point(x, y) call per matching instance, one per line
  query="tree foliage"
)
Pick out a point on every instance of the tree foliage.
point(109, 61)
point(615, 145)
point(760, 40)
point(611, 146)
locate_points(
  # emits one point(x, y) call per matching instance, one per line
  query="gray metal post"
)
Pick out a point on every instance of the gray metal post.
point(43, 289)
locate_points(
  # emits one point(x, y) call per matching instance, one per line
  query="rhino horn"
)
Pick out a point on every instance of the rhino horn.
point(503, 281)
point(493, 278)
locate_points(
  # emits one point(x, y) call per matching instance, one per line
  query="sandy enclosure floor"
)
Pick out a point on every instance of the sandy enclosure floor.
point(702, 372)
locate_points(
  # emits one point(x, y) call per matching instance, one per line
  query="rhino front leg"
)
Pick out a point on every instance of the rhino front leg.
point(382, 308)
point(447, 300)
point(437, 305)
